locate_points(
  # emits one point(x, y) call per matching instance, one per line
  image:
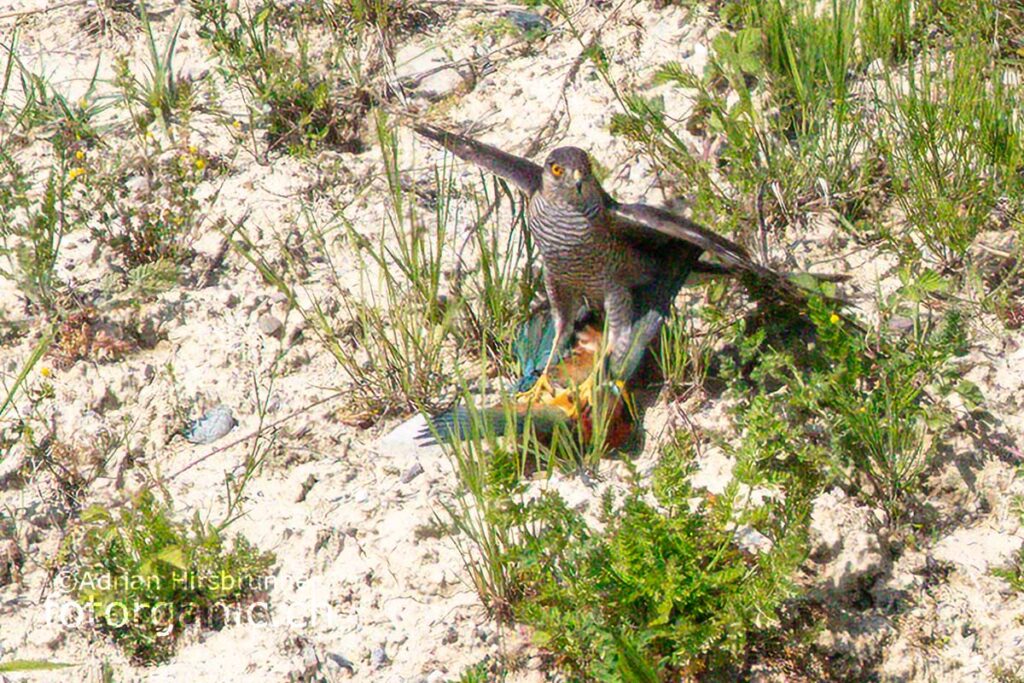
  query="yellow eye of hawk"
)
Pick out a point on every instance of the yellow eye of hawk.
point(557, 170)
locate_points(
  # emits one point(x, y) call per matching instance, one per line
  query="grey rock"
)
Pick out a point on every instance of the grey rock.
point(213, 425)
point(427, 72)
point(379, 658)
point(528, 22)
point(901, 324)
point(270, 325)
point(414, 471)
point(341, 662)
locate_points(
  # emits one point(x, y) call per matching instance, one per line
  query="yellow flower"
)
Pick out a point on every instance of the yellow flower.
point(75, 172)
point(192, 150)
point(200, 164)
point(79, 154)
point(237, 124)
point(45, 371)
point(833, 318)
point(83, 103)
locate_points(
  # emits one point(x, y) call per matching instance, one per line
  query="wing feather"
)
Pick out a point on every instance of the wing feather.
point(654, 224)
point(523, 172)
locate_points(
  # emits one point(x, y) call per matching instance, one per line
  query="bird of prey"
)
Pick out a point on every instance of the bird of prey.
point(627, 259)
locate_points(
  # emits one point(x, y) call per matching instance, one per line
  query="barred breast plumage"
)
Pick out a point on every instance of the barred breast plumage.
point(583, 257)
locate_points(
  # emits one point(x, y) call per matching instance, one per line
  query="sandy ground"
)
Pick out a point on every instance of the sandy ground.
point(354, 577)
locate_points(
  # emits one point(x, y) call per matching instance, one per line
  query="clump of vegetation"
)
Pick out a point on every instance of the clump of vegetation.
point(32, 228)
point(84, 333)
point(144, 577)
point(659, 585)
point(162, 94)
point(300, 101)
point(865, 410)
point(44, 110)
point(155, 217)
point(798, 119)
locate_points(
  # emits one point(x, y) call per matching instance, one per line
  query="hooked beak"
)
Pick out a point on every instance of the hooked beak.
point(578, 177)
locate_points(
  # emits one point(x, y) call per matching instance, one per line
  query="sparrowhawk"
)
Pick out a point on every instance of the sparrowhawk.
point(625, 258)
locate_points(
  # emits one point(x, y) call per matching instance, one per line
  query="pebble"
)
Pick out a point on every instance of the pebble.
point(214, 424)
point(341, 661)
point(379, 658)
point(270, 325)
point(528, 21)
point(411, 473)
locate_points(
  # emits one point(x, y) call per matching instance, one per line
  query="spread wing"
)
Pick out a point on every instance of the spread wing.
point(523, 172)
point(654, 227)
point(642, 223)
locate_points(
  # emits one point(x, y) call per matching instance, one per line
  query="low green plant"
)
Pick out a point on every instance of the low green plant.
point(657, 587)
point(163, 94)
point(46, 110)
point(33, 228)
point(143, 576)
point(298, 99)
point(797, 121)
point(865, 410)
point(1014, 574)
point(24, 665)
point(13, 430)
point(155, 220)
point(955, 149)
point(478, 673)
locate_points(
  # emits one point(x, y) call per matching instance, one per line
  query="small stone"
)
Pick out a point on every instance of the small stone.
point(528, 22)
point(341, 662)
point(379, 658)
point(450, 636)
point(413, 472)
point(901, 324)
point(213, 425)
point(428, 72)
point(752, 541)
point(270, 325)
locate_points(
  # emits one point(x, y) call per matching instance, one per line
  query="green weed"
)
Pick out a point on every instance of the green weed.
point(32, 228)
point(865, 410)
point(657, 588)
point(797, 122)
point(144, 576)
point(298, 99)
point(162, 94)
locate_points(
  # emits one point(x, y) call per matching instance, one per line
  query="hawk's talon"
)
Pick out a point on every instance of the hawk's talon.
point(541, 392)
